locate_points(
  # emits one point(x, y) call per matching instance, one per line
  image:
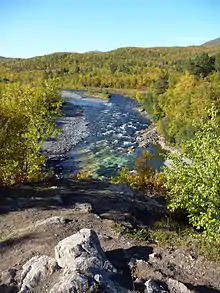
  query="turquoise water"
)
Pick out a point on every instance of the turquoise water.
point(113, 128)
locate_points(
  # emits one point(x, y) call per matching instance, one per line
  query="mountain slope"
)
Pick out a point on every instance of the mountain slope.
point(215, 42)
point(125, 60)
point(2, 58)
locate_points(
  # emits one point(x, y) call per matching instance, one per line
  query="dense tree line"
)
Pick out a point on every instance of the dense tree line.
point(121, 68)
point(176, 100)
point(176, 85)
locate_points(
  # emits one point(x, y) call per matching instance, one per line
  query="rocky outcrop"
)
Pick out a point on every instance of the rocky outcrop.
point(176, 286)
point(81, 266)
point(82, 252)
point(173, 286)
point(34, 272)
point(150, 136)
point(147, 136)
point(152, 286)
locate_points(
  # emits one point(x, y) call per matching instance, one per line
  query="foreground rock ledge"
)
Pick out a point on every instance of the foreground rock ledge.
point(80, 265)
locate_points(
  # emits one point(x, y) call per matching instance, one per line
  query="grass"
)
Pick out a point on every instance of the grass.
point(168, 232)
point(136, 234)
point(175, 234)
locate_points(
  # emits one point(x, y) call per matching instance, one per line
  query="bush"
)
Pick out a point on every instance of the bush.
point(83, 175)
point(200, 65)
point(143, 177)
point(27, 115)
point(193, 179)
point(139, 96)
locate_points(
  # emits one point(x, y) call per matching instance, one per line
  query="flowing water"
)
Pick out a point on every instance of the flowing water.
point(113, 127)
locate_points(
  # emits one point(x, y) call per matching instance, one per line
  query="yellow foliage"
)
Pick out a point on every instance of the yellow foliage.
point(27, 119)
point(143, 176)
point(83, 175)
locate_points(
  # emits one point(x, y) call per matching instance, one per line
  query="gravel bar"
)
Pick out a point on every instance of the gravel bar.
point(74, 128)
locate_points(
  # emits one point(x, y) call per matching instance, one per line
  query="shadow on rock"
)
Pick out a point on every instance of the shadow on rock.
point(202, 289)
point(8, 289)
point(124, 260)
point(115, 202)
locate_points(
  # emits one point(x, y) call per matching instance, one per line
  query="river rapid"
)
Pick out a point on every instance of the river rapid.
point(98, 135)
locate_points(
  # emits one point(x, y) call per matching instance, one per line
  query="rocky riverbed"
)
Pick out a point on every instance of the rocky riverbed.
point(73, 128)
point(100, 135)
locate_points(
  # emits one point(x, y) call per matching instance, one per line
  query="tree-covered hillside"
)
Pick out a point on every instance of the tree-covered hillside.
point(175, 84)
point(120, 68)
point(121, 59)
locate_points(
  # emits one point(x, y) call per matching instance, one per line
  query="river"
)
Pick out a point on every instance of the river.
point(109, 141)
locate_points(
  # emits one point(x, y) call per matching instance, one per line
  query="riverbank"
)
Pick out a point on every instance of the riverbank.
point(73, 128)
point(101, 136)
point(98, 94)
point(151, 135)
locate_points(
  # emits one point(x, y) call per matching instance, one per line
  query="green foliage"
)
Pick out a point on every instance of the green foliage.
point(151, 103)
point(170, 232)
point(161, 85)
point(133, 68)
point(137, 233)
point(193, 186)
point(186, 99)
point(143, 176)
point(173, 98)
point(27, 119)
point(140, 96)
point(125, 176)
point(4, 79)
point(217, 61)
point(200, 65)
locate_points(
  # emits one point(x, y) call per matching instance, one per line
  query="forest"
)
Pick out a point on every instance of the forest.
point(179, 87)
point(176, 85)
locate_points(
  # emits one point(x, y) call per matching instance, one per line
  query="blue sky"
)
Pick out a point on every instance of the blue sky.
point(37, 27)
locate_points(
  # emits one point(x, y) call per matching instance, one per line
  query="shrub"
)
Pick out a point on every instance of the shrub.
point(143, 176)
point(193, 179)
point(200, 65)
point(83, 175)
point(27, 115)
